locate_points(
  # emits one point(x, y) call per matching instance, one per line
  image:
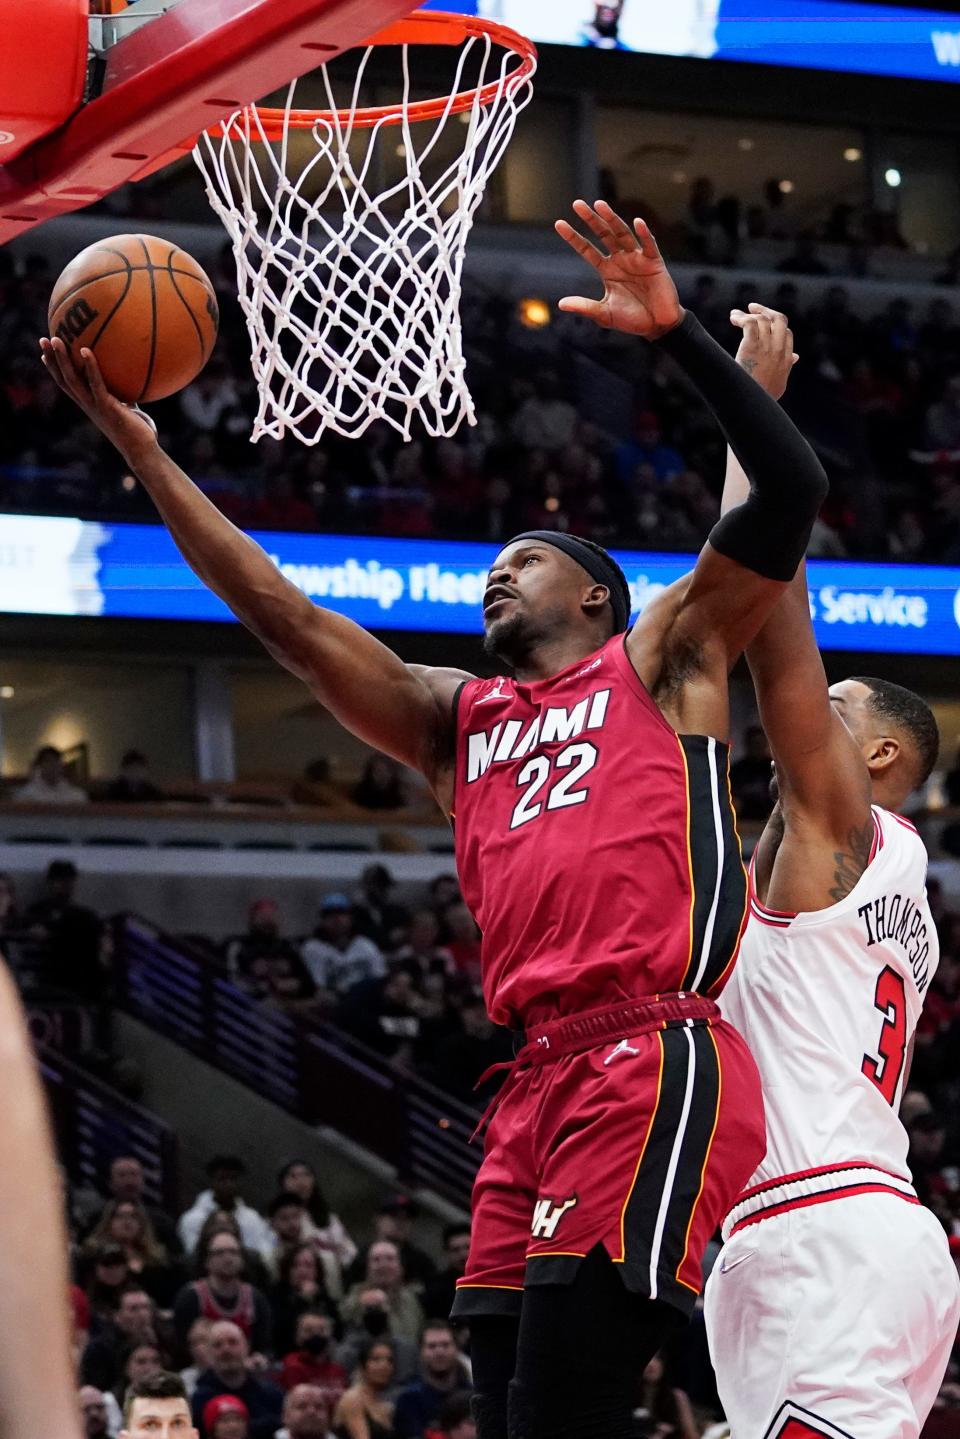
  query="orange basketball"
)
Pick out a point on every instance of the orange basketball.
point(146, 310)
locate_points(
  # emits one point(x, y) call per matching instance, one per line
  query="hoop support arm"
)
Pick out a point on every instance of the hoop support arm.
point(193, 65)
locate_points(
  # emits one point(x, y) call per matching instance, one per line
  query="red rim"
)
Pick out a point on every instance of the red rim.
point(423, 27)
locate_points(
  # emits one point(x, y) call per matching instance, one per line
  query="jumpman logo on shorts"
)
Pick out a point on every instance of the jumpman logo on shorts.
point(623, 1048)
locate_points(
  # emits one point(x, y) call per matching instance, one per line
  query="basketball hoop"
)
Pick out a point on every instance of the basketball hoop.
point(350, 284)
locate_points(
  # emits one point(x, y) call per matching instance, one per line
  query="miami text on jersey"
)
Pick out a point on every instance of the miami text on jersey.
point(516, 739)
point(896, 918)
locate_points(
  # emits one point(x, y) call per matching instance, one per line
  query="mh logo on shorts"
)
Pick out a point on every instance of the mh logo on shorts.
point(547, 1215)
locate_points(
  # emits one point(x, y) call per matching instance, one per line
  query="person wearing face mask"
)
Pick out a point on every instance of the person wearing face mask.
point(370, 1319)
point(312, 1361)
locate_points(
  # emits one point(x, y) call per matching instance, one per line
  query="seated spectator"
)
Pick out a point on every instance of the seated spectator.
point(223, 1295)
point(951, 782)
point(221, 1221)
point(462, 938)
point(134, 1323)
point(371, 1319)
point(375, 913)
point(664, 1408)
point(307, 1414)
point(263, 962)
point(440, 1291)
point(647, 448)
point(804, 259)
point(421, 946)
point(226, 1417)
point(942, 426)
point(70, 934)
point(365, 1412)
point(750, 776)
point(455, 1420)
point(311, 1361)
point(442, 891)
point(380, 785)
point(469, 1051)
point(126, 1224)
point(133, 784)
point(94, 1413)
point(287, 1214)
point(928, 1136)
point(157, 1407)
point(48, 782)
point(323, 1226)
point(316, 787)
point(225, 1172)
point(395, 1220)
point(229, 1374)
point(141, 1362)
point(386, 1014)
point(301, 1288)
point(418, 1406)
point(105, 1274)
point(544, 420)
point(336, 956)
point(198, 1347)
point(384, 1271)
point(126, 1180)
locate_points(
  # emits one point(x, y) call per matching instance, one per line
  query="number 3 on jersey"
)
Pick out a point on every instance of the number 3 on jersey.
point(891, 1001)
point(578, 759)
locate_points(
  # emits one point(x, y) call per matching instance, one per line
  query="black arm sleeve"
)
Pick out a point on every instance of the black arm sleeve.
point(769, 532)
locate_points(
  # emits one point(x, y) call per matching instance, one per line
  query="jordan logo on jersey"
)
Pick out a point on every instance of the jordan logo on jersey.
point(896, 919)
point(512, 739)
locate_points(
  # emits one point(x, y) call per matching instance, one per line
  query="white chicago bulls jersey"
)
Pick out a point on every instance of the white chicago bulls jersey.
point(828, 1002)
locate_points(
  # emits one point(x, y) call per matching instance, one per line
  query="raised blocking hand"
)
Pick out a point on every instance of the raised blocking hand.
point(639, 297)
point(766, 349)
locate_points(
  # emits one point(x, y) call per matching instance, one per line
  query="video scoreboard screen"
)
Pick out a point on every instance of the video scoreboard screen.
point(814, 34)
point(52, 565)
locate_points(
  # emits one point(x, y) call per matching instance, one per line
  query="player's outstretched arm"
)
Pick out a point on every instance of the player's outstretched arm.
point(34, 1298)
point(823, 780)
point(753, 551)
point(403, 712)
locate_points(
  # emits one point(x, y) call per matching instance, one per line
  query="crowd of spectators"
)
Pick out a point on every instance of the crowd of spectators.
point(281, 1327)
point(401, 977)
point(282, 1314)
point(276, 1321)
point(879, 397)
point(859, 239)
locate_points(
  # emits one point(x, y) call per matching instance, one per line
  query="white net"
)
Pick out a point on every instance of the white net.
point(350, 283)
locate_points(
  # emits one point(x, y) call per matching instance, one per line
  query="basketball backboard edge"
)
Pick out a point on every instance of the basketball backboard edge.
point(160, 84)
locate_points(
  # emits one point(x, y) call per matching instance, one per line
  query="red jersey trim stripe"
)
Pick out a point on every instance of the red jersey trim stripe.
point(783, 1179)
point(826, 1197)
point(813, 1186)
point(905, 822)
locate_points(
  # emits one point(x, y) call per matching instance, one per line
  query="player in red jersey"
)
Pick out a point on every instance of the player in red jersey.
point(596, 846)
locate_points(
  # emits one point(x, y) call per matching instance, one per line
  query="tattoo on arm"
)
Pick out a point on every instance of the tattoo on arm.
point(748, 365)
point(852, 861)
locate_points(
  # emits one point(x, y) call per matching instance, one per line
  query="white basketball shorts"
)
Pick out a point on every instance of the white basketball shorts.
point(833, 1320)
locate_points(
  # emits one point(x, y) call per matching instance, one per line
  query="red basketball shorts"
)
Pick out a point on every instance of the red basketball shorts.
point(640, 1142)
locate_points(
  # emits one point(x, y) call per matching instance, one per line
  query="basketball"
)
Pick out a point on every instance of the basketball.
point(144, 307)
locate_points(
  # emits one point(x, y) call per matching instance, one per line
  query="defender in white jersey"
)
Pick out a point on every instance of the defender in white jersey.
point(834, 1303)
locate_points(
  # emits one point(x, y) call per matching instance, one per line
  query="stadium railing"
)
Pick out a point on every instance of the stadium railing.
point(312, 1070)
point(94, 1124)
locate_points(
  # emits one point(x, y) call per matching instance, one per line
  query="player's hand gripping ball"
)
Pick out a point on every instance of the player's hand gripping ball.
point(144, 307)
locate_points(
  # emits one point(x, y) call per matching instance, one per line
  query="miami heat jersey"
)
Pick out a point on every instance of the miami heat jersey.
point(596, 847)
point(828, 1002)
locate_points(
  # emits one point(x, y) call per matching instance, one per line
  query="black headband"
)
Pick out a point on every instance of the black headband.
point(598, 565)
